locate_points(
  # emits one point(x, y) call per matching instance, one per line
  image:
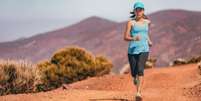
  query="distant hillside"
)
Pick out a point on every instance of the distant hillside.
point(175, 33)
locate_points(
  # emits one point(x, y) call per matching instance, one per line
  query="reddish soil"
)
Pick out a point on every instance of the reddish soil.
point(179, 83)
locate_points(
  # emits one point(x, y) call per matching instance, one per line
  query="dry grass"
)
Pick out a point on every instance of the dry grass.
point(16, 76)
point(67, 65)
point(70, 64)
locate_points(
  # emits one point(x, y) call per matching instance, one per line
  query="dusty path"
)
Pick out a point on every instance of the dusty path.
point(164, 84)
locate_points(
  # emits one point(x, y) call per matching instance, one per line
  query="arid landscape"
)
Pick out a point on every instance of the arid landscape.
point(93, 71)
point(178, 83)
point(175, 34)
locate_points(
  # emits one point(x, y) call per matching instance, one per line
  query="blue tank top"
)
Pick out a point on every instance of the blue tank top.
point(135, 47)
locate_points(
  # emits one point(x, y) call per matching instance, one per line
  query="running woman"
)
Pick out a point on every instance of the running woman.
point(137, 34)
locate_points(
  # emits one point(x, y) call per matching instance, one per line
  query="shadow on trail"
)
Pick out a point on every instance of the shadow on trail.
point(106, 99)
point(116, 99)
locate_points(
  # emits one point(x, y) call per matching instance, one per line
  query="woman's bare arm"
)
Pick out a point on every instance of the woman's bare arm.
point(127, 36)
point(149, 40)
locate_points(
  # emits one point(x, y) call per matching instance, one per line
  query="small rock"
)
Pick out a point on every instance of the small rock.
point(125, 69)
point(87, 87)
point(65, 87)
point(179, 61)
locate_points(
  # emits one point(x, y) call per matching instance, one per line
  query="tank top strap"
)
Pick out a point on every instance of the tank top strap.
point(133, 22)
point(147, 21)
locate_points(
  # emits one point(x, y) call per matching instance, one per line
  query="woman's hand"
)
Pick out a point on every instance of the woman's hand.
point(150, 43)
point(149, 40)
point(136, 38)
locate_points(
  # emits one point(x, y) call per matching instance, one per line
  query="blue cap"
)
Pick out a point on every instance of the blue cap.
point(138, 5)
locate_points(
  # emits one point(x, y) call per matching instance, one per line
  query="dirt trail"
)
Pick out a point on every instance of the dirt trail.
point(161, 84)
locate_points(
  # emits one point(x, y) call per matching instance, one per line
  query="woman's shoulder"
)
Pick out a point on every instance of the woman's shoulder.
point(147, 20)
point(131, 21)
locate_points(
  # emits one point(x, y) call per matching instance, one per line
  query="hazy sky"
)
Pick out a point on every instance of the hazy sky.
point(24, 18)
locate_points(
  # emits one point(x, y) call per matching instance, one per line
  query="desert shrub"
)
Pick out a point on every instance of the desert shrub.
point(181, 61)
point(46, 76)
point(74, 63)
point(16, 76)
point(68, 65)
point(194, 59)
point(103, 65)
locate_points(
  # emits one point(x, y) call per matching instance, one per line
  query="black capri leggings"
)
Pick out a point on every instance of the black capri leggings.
point(137, 63)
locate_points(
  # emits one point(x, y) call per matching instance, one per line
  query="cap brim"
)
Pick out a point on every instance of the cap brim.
point(139, 7)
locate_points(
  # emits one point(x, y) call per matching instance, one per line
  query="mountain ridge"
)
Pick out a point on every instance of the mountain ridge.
point(102, 36)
